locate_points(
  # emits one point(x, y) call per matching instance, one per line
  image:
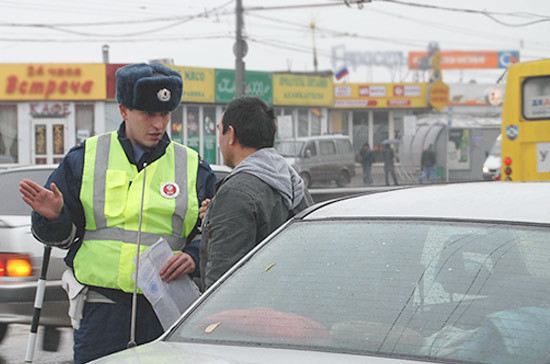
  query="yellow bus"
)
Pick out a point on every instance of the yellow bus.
point(526, 122)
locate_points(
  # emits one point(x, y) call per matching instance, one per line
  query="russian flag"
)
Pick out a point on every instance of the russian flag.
point(341, 74)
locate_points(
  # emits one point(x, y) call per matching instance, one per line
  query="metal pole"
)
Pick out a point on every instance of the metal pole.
point(240, 51)
point(132, 342)
point(105, 49)
point(38, 300)
point(447, 151)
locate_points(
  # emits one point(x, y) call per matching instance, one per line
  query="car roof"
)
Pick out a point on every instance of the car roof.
point(318, 137)
point(488, 201)
point(33, 167)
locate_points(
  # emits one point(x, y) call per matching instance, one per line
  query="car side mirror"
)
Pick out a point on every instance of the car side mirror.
point(486, 154)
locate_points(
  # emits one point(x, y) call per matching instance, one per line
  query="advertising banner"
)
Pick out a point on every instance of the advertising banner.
point(302, 90)
point(52, 82)
point(465, 60)
point(380, 95)
point(198, 83)
point(259, 84)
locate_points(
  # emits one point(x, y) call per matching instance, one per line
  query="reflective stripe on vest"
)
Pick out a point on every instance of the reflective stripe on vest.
point(111, 198)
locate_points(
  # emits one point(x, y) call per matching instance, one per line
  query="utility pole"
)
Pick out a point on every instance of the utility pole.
point(239, 49)
point(312, 26)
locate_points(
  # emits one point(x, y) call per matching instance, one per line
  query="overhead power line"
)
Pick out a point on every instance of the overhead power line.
point(491, 15)
point(177, 21)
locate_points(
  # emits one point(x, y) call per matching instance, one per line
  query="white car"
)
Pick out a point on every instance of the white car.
point(21, 260)
point(439, 273)
point(491, 166)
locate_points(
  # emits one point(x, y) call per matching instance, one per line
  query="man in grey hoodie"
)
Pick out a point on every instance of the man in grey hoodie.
point(259, 195)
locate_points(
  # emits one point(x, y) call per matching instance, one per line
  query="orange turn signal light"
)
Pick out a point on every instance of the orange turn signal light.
point(15, 265)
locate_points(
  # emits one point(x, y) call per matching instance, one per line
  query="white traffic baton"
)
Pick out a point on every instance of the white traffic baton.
point(38, 300)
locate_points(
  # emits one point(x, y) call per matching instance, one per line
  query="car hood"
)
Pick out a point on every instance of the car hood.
point(12, 221)
point(189, 353)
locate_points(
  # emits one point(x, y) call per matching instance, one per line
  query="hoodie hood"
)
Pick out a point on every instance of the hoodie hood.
point(269, 166)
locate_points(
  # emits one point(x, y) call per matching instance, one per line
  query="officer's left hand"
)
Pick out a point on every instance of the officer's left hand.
point(179, 264)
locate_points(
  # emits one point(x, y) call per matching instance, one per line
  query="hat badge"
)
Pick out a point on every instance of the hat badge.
point(164, 95)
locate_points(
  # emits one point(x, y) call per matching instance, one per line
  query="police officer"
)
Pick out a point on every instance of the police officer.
point(91, 206)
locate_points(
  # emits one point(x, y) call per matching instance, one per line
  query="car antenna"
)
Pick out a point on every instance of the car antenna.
point(132, 342)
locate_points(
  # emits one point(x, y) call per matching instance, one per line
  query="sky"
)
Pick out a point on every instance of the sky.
point(282, 35)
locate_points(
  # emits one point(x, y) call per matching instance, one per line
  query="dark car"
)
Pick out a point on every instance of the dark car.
point(446, 273)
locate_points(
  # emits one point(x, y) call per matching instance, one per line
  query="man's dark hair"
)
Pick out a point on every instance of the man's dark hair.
point(253, 121)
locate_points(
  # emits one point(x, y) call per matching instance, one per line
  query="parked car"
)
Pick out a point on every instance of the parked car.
point(322, 159)
point(21, 259)
point(442, 273)
point(491, 166)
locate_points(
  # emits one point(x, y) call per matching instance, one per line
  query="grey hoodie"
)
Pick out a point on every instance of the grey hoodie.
point(269, 166)
point(259, 195)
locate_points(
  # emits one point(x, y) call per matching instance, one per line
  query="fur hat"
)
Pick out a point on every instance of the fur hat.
point(148, 87)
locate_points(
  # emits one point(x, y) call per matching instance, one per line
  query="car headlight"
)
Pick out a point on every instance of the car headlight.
point(485, 169)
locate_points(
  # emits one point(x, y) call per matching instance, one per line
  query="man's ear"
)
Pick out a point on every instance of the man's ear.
point(123, 112)
point(231, 135)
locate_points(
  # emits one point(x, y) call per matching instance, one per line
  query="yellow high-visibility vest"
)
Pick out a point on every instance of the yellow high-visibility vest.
point(111, 195)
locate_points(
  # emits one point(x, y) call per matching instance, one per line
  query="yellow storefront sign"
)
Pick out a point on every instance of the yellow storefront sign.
point(380, 95)
point(302, 90)
point(52, 82)
point(198, 83)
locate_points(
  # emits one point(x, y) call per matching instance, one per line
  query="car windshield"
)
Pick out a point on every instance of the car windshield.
point(409, 289)
point(12, 204)
point(495, 150)
point(289, 148)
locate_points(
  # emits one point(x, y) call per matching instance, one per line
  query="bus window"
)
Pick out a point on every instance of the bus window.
point(536, 98)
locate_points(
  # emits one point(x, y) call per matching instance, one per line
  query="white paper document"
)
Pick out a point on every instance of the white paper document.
point(169, 300)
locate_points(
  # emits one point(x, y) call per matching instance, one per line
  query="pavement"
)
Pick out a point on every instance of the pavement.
point(404, 177)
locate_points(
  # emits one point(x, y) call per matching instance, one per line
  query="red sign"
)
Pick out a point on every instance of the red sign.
point(399, 102)
point(466, 60)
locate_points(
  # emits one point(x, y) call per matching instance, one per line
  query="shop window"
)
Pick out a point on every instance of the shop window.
point(315, 121)
point(84, 122)
point(340, 122)
point(209, 123)
point(303, 123)
point(176, 120)
point(193, 132)
point(345, 123)
point(380, 129)
point(8, 134)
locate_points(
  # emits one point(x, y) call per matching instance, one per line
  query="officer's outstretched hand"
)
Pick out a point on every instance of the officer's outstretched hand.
point(47, 203)
point(176, 266)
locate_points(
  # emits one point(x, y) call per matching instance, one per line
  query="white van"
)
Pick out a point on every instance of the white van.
point(323, 159)
point(491, 166)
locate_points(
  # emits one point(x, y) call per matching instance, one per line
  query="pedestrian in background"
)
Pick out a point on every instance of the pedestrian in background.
point(389, 164)
point(91, 206)
point(427, 164)
point(261, 192)
point(367, 158)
